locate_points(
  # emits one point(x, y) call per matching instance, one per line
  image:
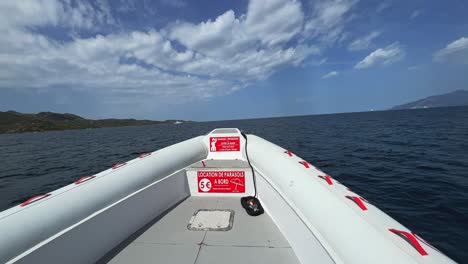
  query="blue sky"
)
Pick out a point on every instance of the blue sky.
point(215, 60)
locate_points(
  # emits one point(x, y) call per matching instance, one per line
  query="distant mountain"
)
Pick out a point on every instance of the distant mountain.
point(14, 122)
point(457, 98)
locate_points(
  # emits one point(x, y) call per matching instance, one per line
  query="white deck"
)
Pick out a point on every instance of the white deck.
point(168, 240)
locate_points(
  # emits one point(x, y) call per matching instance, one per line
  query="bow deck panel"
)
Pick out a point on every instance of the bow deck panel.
point(168, 240)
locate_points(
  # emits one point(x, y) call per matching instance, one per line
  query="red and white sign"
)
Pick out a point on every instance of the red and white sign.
point(224, 144)
point(221, 181)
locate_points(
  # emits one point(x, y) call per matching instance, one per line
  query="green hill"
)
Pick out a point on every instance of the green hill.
point(14, 122)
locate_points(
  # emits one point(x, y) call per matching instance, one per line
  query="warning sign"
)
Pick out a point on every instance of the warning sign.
point(224, 144)
point(221, 181)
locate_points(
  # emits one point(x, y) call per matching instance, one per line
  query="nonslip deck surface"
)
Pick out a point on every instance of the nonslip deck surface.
point(251, 239)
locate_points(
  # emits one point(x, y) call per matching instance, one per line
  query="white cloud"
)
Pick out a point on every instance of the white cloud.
point(330, 75)
point(415, 13)
point(276, 21)
point(455, 52)
point(248, 47)
point(364, 42)
point(182, 61)
point(414, 67)
point(329, 19)
point(174, 3)
point(32, 13)
point(126, 6)
point(268, 22)
point(383, 5)
point(207, 37)
point(384, 56)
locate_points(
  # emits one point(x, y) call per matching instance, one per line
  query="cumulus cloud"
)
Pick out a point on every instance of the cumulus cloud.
point(363, 43)
point(268, 22)
point(247, 47)
point(183, 60)
point(383, 56)
point(454, 52)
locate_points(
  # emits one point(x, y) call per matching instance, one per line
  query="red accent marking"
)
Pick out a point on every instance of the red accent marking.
point(363, 199)
point(35, 199)
point(118, 165)
point(327, 178)
point(358, 201)
point(142, 155)
point(289, 153)
point(305, 163)
point(411, 239)
point(84, 178)
point(203, 163)
point(425, 242)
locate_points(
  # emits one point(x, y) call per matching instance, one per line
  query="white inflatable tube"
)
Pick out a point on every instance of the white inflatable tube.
point(321, 218)
point(349, 233)
point(23, 227)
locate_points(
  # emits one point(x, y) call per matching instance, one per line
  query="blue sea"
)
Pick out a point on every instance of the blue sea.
point(412, 164)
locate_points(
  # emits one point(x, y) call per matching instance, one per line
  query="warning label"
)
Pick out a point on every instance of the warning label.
point(221, 181)
point(224, 144)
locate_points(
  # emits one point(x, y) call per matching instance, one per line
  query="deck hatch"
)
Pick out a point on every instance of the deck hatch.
point(211, 220)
